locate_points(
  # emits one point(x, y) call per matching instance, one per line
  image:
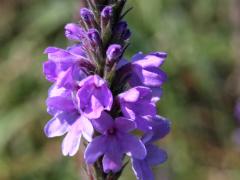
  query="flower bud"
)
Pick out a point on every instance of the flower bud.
point(106, 15)
point(126, 35)
point(94, 37)
point(121, 30)
point(114, 51)
point(87, 16)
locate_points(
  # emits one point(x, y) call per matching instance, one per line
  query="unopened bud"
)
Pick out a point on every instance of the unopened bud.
point(94, 37)
point(106, 15)
point(87, 16)
point(114, 51)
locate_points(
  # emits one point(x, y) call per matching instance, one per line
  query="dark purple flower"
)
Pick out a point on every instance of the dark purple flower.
point(114, 51)
point(94, 96)
point(66, 120)
point(145, 71)
point(137, 105)
point(113, 143)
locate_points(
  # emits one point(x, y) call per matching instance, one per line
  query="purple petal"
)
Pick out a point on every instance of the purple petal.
point(49, 70)
point(56, 127)
point(160, 128)
point(113, 156)
point(150, 60)
point(137, 57)
point(112, 164)
point(156, 94)
point(144, 123)
point(153, 77)
point(150, 76)
point(142, 170)
point(59, 55)
point(74, 32)
point(60, 103)
point(95, 149)
point(155, 156)
point(103, 123)
point(133, 146)
point(65, 79)
point(124, 124)
point(94, 97)
point(55, 91)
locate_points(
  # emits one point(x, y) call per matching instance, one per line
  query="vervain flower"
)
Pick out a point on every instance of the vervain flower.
point(102, 98)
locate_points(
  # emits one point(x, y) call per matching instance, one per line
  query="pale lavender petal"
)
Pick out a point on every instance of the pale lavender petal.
point(95, 149)
point(87, 128)
point(56, 127)
point(71, 142)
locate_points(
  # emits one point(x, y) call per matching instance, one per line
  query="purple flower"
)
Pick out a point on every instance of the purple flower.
point(66, 120)
point(136, 104)
point(113, 143)
point(66, 67)
point(96, 92)
point(155, 155)
point(94, 96)
point(145, 71)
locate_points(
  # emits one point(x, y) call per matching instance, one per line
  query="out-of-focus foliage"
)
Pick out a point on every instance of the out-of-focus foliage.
point(198, 98)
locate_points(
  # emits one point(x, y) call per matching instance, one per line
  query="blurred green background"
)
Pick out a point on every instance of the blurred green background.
point(202, 38)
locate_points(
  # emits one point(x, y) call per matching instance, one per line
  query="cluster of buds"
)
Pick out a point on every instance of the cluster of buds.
point(104, 99)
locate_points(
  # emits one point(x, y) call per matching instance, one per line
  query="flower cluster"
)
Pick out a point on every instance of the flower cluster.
point(101, 97)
